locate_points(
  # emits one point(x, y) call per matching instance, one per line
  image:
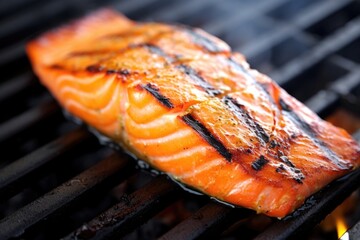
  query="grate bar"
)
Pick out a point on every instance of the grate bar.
point(142, 12)
point(211, 219)
point(268, 40)
point(231, 21)
point(15, 85)
point(12, 53)
point(169, 14)
point(318, 12)
point(11, 6)
point(17, 23)
point(133, 210)
point(27, 119)
point(344, 85)
point(302, 21)
point(16, 171)
point(322, 102)
point(329, 46)
point(16, 224)
point(356, 135)
point(7, 8)
point(131, 6)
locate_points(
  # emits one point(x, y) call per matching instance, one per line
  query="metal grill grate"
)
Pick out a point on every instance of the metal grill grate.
point(54, 176)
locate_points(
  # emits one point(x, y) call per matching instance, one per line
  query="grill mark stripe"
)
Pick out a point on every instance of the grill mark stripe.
point(307, 129)
point(207, 136)
point(201, 40)
point(241, 69)
point(298, 176)
point(153, 90)
point(259, 163)
point(287, 161)
point(158, 51)
point(197, 79)
point(242, 114)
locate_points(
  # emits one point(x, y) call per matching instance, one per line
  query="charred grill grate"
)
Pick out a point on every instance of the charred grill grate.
point(54, 176)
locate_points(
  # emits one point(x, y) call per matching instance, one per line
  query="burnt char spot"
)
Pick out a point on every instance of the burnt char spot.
point(296, 119)
point(286, 160)
point(158, 51)
point(311, 133)
point(298, 180)
point(155, 92)
point(201, 40)
point(211, 90)
point(56, 66)
point(298, 175)
point(205, 133)
point(259, 163)
point(280, 168)
point(94, 69)
point(97, 69)
point(284, 106)
point(273, 144)
point(240, 111)
point(123, 72)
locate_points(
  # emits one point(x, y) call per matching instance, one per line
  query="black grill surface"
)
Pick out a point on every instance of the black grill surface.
point(57, 181)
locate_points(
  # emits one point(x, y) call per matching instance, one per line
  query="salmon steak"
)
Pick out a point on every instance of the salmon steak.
point(181, 100)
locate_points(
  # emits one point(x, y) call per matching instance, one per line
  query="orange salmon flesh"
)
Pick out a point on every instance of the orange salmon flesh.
point(181, 100)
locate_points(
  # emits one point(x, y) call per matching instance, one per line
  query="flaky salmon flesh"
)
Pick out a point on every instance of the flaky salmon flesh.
point(181, 100)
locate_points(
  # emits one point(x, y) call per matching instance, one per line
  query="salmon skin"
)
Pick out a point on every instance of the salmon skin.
point(182, 101)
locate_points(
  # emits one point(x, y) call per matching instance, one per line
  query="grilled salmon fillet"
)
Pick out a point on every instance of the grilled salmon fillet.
point(181, 100)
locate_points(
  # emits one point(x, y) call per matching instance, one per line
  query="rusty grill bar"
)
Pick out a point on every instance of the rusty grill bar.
point(56, 181)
